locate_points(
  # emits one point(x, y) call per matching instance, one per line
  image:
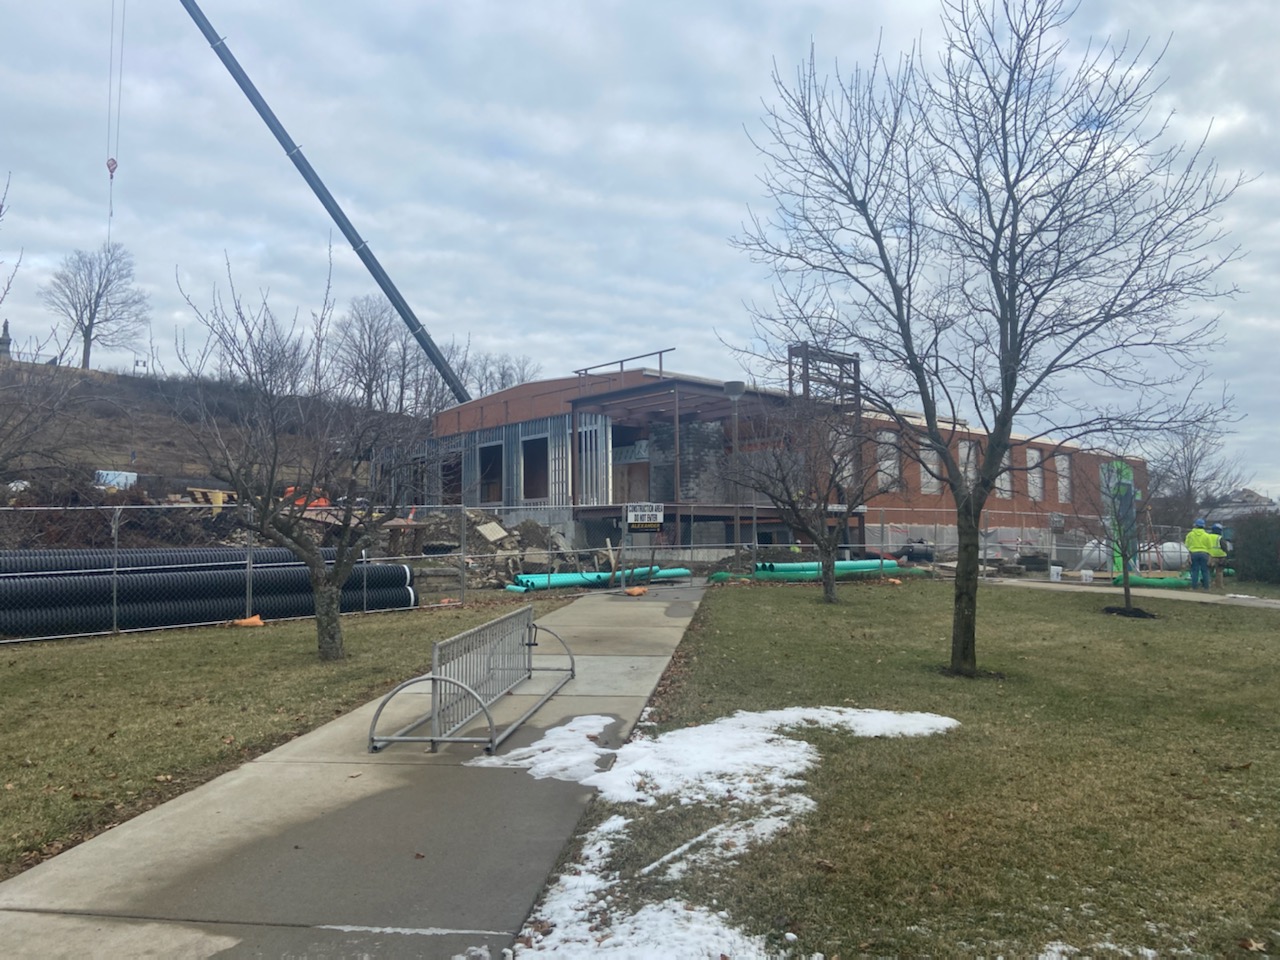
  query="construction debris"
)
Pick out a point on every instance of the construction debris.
point(495, 553)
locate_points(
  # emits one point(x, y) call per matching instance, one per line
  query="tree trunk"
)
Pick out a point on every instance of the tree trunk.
point(964, 656)
point(328, 620)
point(829, 576)
point(84, 355)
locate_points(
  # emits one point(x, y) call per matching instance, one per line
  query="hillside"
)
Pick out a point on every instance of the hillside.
point(116, 422)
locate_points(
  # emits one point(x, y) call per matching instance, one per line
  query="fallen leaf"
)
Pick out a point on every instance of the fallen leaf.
point(1252, 945)
point(419, 856)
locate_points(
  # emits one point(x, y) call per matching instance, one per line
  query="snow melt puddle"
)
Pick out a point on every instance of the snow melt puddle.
point(745, 766)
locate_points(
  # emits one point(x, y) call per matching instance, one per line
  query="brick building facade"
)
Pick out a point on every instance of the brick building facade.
point(574, 449)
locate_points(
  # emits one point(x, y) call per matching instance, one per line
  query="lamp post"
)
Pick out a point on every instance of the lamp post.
point(734, 389)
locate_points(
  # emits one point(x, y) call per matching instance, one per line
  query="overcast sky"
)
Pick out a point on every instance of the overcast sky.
point(557, 178)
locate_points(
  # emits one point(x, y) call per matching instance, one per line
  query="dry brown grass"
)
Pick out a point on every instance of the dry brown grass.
point(1119, 785)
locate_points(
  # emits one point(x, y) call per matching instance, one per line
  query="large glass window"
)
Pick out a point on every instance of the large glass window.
point(1062, 465)
point(1004, 481)
point(969, 460)
point(888, 461)
point(1035, 474)
point(535, 469)
point(491, 473)
point(930, 469)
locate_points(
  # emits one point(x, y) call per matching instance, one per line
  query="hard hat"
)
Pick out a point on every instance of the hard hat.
point(1199, 522)
point(1217, 528)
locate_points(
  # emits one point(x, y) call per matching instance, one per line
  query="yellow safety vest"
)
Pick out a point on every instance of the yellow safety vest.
point(1215, 545)
point(1198, 540)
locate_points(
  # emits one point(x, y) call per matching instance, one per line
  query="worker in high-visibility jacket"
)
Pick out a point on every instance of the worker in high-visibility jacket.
point(1217, 554)
point(1198, 544)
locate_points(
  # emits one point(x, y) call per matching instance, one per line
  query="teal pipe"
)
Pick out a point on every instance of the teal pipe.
point(588, 578)
point(543, 581)
point(842, 566)
point(810, 576)
point(672, 573)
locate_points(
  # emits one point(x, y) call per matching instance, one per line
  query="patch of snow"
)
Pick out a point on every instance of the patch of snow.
point(744, 765)
point(1059, 950)
point(568, 753)
point(1056, 951)
point(668, 929)
point(738, 758)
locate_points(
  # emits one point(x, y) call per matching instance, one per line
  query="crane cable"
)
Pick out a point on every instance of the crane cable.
point(115, 82)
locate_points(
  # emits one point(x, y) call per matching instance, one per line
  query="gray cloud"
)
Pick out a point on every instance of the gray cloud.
point(557, 178)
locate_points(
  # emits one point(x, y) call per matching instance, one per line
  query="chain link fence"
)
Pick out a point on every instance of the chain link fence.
point(78, 570)
point(94, 569)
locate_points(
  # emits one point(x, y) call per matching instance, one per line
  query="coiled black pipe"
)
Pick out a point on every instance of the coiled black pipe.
point(94, 589)
point(62, 621)
point(48, 561)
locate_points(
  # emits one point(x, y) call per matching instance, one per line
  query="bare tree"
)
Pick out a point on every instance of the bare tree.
point(382, 365)
point(93, 293)
point(317, 468)
point(491, 372)
point(1190, 472)
point(806, 457)
point(6, 282)
point(369, 352)
point(38, 404)
point(35, 399)
point(1007, 236)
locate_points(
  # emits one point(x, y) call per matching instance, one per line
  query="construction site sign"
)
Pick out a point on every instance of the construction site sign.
point(644, 516)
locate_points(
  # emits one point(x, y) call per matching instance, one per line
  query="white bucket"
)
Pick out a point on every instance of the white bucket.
point(1055, 574)
point(1086, 576)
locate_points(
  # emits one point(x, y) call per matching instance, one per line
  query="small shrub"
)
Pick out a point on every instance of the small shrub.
point(1257, 547)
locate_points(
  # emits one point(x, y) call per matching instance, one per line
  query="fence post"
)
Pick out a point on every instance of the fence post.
point(881, 550)
point(755, 534)
point(249, 541)
point(462, 560)
point(115, 570)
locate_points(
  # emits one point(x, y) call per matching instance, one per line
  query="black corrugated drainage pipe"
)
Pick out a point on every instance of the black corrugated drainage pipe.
point(70, 620)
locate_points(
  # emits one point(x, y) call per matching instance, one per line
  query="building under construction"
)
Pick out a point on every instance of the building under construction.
point(572, 452)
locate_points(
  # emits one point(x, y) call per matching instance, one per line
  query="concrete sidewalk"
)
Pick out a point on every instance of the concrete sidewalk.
point(320, 849)
point(1107, 588)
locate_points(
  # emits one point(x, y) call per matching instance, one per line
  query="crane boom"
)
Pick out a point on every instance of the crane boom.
point(294, 152)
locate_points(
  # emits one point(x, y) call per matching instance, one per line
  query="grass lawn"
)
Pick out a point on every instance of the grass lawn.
point(1116, 786)
point(95, 731)
point(1253, 588)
